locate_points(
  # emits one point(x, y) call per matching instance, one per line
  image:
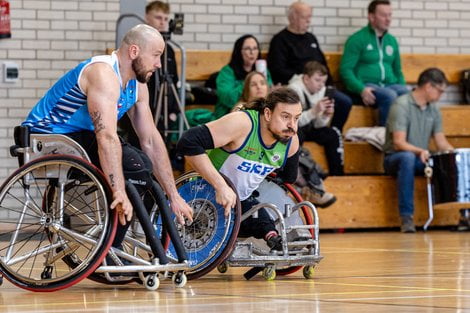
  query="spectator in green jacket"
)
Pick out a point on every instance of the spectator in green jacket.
point(370, 67)
point(229, 82)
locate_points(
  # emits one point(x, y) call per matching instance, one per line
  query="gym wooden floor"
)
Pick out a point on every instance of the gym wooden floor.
point(360, 272)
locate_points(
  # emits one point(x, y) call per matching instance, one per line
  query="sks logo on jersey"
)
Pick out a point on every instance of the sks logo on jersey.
point(256, 168)
point(249, 151)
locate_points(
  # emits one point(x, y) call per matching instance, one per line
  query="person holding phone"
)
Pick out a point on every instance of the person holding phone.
point(318, 108)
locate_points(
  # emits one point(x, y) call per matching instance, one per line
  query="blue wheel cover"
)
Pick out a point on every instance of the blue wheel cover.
point(206, 238)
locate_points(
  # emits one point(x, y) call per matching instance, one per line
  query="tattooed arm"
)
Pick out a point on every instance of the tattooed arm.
point(102, 88)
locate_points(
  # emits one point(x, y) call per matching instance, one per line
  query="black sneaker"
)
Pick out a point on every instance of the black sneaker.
point(463, 225)
point(407, 224)
point(464, 221)
point(275, 243)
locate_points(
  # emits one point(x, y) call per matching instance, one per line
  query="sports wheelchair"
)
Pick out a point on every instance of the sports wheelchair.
point(57, 228)
point(211, 240)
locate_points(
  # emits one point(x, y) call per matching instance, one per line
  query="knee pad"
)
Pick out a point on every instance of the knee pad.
point(136, 166)
point(141, 178)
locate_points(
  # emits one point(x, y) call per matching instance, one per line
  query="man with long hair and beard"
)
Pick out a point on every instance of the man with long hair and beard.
point(86, 103)
point(246, 146)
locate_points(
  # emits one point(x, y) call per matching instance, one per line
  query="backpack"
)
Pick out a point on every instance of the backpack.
point(465, 84)
point(206, 94)
point(311, 172)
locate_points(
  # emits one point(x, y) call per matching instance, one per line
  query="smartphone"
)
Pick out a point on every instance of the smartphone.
point(329, 92)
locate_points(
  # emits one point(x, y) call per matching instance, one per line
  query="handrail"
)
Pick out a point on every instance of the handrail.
point(119, 20)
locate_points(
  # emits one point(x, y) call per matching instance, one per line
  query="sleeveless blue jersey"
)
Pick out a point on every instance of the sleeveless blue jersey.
point(64, 109)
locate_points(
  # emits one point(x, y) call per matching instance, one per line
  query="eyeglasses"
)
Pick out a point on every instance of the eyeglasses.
point(439, 89)
point(249, 49)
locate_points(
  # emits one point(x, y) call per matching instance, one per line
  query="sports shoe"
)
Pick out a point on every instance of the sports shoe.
point(463, 225)
point(320, 199)
point(407, 224)
point(275, 242)
point(464, 220)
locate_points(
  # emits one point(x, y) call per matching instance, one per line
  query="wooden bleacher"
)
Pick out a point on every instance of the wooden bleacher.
point(363, 158)
point(366, 197)
point(201, 63)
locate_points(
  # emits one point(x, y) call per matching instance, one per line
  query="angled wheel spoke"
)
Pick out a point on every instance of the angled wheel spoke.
point(55, 224)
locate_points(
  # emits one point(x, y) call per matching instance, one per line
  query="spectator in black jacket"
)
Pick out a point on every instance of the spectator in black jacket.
point(157, 16)
point(294, 46)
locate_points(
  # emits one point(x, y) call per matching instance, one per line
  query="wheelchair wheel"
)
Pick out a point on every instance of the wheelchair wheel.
point(54, 210)
point(130, 246)
point(134, 244)
point(280, 194)
point(210, 238)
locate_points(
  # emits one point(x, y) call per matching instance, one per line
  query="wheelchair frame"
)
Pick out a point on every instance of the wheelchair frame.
point(247, 254)
point(293, 256)
point(75, 234)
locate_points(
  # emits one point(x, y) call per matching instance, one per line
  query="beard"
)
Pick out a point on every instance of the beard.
point(140, 74)
point(287, 134)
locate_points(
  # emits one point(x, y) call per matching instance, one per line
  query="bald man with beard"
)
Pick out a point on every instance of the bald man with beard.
point(86, 103)
point(293, 47)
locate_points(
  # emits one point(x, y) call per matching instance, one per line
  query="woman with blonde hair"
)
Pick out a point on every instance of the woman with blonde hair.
point(254, 87)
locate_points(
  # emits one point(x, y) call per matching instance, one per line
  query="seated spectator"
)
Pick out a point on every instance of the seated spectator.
point(414, 119)
point(370, 66)
point(317, 113)
point(229, 82)
point(294, 46)
point(255, 87)
point(231, 77)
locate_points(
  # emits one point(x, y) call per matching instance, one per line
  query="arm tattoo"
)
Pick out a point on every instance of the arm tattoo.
point(97, 121)
point(111, 179)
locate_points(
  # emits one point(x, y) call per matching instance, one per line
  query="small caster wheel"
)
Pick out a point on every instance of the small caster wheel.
point(222, 267)
point(47, 272)
point(308, 271)
point(179, 279)
point(269, 273)
point(152, 282)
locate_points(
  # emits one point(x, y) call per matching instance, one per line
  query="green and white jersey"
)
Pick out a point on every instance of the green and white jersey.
point(252, 162)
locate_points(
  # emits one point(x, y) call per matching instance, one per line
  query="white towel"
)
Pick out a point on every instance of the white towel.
point(373, 135)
